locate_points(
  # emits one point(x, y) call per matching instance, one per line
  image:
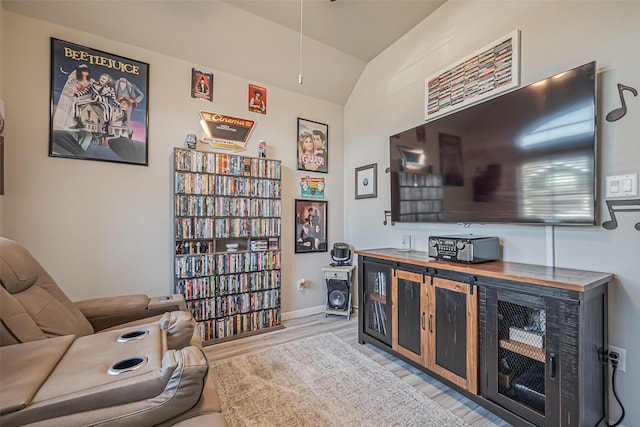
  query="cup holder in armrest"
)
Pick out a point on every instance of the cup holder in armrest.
point(127, 365)
point(133, 335)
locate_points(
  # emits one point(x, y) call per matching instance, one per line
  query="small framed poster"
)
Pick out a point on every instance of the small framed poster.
point(257, 99)
point(201, 85)
point(313, 146)
point(311, 226)
point(312, 188)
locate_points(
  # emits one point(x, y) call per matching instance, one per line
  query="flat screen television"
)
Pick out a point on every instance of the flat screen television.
point(527, 157)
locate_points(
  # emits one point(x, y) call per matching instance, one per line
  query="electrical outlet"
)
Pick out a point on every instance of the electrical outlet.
point(622, 357)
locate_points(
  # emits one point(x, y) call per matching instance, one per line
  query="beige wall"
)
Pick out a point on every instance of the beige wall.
point(555, 36)
point(106, 228)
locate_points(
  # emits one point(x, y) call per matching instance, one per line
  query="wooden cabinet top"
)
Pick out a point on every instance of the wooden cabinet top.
point(561, 278)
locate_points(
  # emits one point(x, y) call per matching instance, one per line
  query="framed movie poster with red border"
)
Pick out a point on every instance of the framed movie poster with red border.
point(99, 105)
point(257, 99)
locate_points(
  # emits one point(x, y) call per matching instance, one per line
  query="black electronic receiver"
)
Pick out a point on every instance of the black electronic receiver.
point(466, 248)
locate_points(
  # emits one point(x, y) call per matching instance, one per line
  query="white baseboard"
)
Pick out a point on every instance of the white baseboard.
point(302, 313)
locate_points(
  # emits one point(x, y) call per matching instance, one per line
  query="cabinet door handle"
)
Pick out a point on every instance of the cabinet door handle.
point(422, 320)
point(552, 367)
point(430, 323)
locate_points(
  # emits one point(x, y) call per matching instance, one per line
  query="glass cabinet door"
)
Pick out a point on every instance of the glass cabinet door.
point(377, 300)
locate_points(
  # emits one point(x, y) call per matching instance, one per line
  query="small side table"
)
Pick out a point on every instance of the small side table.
point(340, 277)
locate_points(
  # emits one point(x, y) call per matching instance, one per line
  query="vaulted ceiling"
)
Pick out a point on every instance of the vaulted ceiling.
point(255, 39)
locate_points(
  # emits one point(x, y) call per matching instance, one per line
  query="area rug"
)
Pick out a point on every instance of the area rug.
point(316, 382)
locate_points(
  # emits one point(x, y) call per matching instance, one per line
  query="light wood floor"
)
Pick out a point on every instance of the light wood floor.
point(347, 330)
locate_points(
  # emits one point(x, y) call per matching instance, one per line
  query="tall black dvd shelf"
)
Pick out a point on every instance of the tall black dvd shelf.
point(227, 228)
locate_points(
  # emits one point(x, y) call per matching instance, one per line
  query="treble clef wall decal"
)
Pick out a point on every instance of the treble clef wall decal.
point(619, 113)
point(614, 206)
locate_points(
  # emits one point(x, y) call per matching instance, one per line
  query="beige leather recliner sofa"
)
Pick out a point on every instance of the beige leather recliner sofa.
point(79, 364)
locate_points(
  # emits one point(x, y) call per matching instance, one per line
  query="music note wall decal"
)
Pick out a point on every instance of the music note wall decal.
point(619, 113)
point(614, 206)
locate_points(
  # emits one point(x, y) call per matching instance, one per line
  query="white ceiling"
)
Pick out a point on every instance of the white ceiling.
point(255, 39)
point(360, 28)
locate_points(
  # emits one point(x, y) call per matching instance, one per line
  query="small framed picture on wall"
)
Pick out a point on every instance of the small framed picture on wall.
point(367, 181)
point(311, 226)
point(313, 146)
point(201, 85)
point(257, 99)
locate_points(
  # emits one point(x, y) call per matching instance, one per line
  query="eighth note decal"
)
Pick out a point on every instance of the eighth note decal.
point(632, 205)
point(619, 113)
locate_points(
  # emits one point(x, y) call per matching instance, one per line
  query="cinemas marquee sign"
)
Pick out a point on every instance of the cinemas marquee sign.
point(225, 132)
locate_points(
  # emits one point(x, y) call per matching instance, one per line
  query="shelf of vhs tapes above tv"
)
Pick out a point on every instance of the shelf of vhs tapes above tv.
point(227, 241)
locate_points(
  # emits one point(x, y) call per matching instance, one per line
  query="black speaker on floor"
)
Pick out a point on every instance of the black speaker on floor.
point(338, 293)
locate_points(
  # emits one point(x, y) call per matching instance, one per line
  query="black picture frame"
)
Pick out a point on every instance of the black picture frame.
point(99, 105)
point(311, 226)
point(312, 158)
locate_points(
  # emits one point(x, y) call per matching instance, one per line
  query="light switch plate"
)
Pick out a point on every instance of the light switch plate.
point(622, 185)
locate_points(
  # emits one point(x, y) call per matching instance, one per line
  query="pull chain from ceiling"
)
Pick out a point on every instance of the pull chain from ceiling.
point(300, 63)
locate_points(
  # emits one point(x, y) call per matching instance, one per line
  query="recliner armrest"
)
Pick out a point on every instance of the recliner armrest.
point(97, 307)
point(108, 312)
